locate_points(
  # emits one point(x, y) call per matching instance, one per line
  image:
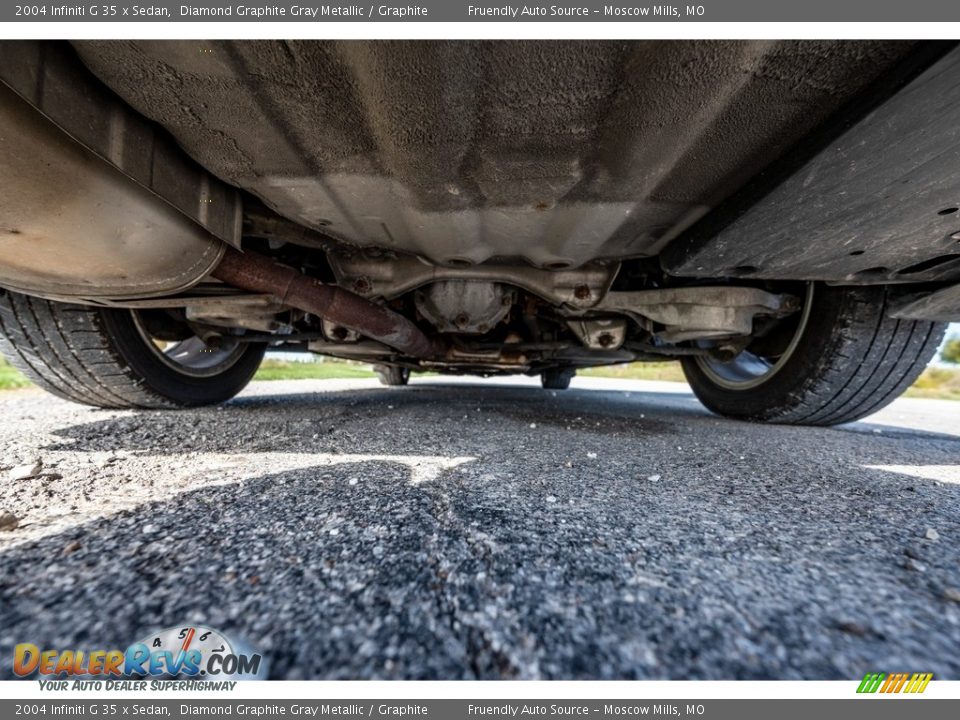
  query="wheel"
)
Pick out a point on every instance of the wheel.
point(837, 360)
point(108, 358)
point(557, 378)
point(392, 376)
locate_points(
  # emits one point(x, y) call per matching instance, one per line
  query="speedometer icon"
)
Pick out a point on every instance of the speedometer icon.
point(209, 650)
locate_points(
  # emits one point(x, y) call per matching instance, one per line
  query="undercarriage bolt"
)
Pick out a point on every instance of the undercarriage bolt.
point(361, 286)
point(790, 303)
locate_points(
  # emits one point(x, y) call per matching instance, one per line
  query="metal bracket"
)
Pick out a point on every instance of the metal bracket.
point(392, 276)
point(699, 312)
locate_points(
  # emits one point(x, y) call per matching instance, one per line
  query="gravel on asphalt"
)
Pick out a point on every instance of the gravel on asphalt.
point(479, 530)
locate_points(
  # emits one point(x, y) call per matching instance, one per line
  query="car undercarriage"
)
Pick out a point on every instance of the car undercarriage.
point(780, 216)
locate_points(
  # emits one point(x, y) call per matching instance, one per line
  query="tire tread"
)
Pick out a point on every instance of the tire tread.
point(865, 361)
point(66, 350)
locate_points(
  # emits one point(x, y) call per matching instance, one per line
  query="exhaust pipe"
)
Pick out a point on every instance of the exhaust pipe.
point(258, 273)
point(74, 227)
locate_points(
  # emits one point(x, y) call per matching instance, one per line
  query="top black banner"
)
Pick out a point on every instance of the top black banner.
point(447, 11)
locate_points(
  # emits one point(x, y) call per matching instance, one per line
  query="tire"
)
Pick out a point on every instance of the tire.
point(846, 359)
point(392, 376)
point(102, 357)
point(557, 378)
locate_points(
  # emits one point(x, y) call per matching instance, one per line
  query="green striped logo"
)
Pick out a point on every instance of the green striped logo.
point(894, 682)
point(871, 682)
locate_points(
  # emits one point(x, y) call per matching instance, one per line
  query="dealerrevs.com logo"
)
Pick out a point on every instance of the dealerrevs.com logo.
point(191, 652)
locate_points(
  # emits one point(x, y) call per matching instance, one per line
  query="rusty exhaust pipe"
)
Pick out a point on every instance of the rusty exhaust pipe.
point(258, 273)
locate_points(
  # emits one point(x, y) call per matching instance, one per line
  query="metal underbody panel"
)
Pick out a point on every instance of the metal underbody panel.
point(552, 153)
point(879, 204)
point(943, 305)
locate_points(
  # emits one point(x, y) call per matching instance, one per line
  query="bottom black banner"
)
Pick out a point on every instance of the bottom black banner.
point(874, 708)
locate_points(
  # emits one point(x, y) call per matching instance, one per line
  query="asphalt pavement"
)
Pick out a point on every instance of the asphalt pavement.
point(480, 529)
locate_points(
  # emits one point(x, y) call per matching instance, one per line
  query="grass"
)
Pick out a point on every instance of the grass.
point(666, 371)
point(11, 378)
point(271, 369)
point(942, 383)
